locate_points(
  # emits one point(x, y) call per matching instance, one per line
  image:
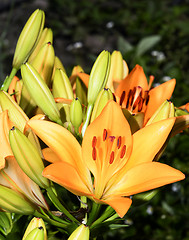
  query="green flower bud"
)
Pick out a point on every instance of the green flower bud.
point(103, 97)
point(61, 87)
point(76, 115)
point(98, 76)
point(166, 110)
point(35, 223)
point(46, 36)
point(14, 202)
point(81, 233)
point(28, 38)
point(40, 92)
point(36, 234)
point(27, 157)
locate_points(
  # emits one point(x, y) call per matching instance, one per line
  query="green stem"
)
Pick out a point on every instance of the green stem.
point(109, 211)
point(86, 123)
point(94, 212)
point(112, 217)
point(59, 206)
point(8, 80)
point(49, 220)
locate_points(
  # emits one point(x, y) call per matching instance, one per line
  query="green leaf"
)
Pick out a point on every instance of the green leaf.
point(146, 43)
point(124, 46)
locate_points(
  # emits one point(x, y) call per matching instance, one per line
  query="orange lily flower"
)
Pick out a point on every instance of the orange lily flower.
point(112, 164)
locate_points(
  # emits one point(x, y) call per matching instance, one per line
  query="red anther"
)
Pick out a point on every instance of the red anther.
point(105, 134)
point(119, 142)
point(111, 157)
point(147, 100)
point(122, 98)
point(94, 141)
point(128, 98)
point(123, 151)
point(140, 105)
point(94, 154)
point(111, 138)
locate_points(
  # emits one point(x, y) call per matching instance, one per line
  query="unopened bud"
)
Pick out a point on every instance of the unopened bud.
point(81, 233)
point(36, 234)
point(76, 115)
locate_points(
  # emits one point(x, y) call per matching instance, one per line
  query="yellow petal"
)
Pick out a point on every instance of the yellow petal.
point(67, 176)
point(148, 141)
point(145, 177)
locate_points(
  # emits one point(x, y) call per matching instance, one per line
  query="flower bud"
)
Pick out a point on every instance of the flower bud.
point(98, 76)
point(27, 157)
point(76, 115)
point(28, 38)
point(166, 110)
point(44, 62)
point(116, 69)
point(46, 36)
point(35, 223)
point(57, 64)
point(36, 234)
point(14, 202)
point(6, 222)
point(103, 97)
point(16, 114)
point(40, 92)
point(81, 233)
point(62, 88)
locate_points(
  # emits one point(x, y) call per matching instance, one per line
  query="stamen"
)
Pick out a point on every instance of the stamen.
point(114, 98)
point(105, 134)
point(94, 141)
point(111, 157)
point(128, 98)
point(111, 138)
point(94, 154)
point(123, 151)
point(119, 142)
point(140, 105)
point(122, 98)
point(147, 100)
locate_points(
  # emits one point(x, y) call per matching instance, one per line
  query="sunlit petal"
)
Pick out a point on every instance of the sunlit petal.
point(50, 156)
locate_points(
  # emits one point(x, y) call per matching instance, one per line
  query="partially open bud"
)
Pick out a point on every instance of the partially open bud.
point(98, 76)
point(14, 202)
point(166, 110)
point(40, 92)
point(46, 36)
point(28, 38)
point(76, 115)
point(103, 97)
point(44, 62)
point(36, 234)
point(35, 223)
point(81, 233)
point(27, 157)
point(62, 88)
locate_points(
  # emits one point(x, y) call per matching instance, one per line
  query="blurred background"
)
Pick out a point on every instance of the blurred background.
point(154, 34)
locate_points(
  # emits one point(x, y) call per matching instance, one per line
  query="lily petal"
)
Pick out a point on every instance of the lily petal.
point(157, 96)
point(144, 177)
point(120, 204)
point(148, 141)
point(114, 123)
point(63, 143)
point(50, 156)
point(67, 176)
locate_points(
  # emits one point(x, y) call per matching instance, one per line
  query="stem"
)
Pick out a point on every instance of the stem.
point(104, 216)
point(59, 206)
point(49, 220)
point(94, 213)
point(8, 80)
point(86, 123)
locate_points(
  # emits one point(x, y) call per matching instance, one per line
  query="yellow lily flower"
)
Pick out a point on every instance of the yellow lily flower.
point(112, 164)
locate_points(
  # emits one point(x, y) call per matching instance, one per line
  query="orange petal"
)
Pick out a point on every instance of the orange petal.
point(67, 176)
point(50, 156)
point(145, 177)
point(157, 96)
point(135, 78)
point(148, 141)
point(62, 142)
point(120, 204)
point(84, 77)
point(5, 149)
point(113, 120)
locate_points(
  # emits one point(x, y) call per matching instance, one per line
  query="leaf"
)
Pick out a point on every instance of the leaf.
point(123, 45)
point(146, 43)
